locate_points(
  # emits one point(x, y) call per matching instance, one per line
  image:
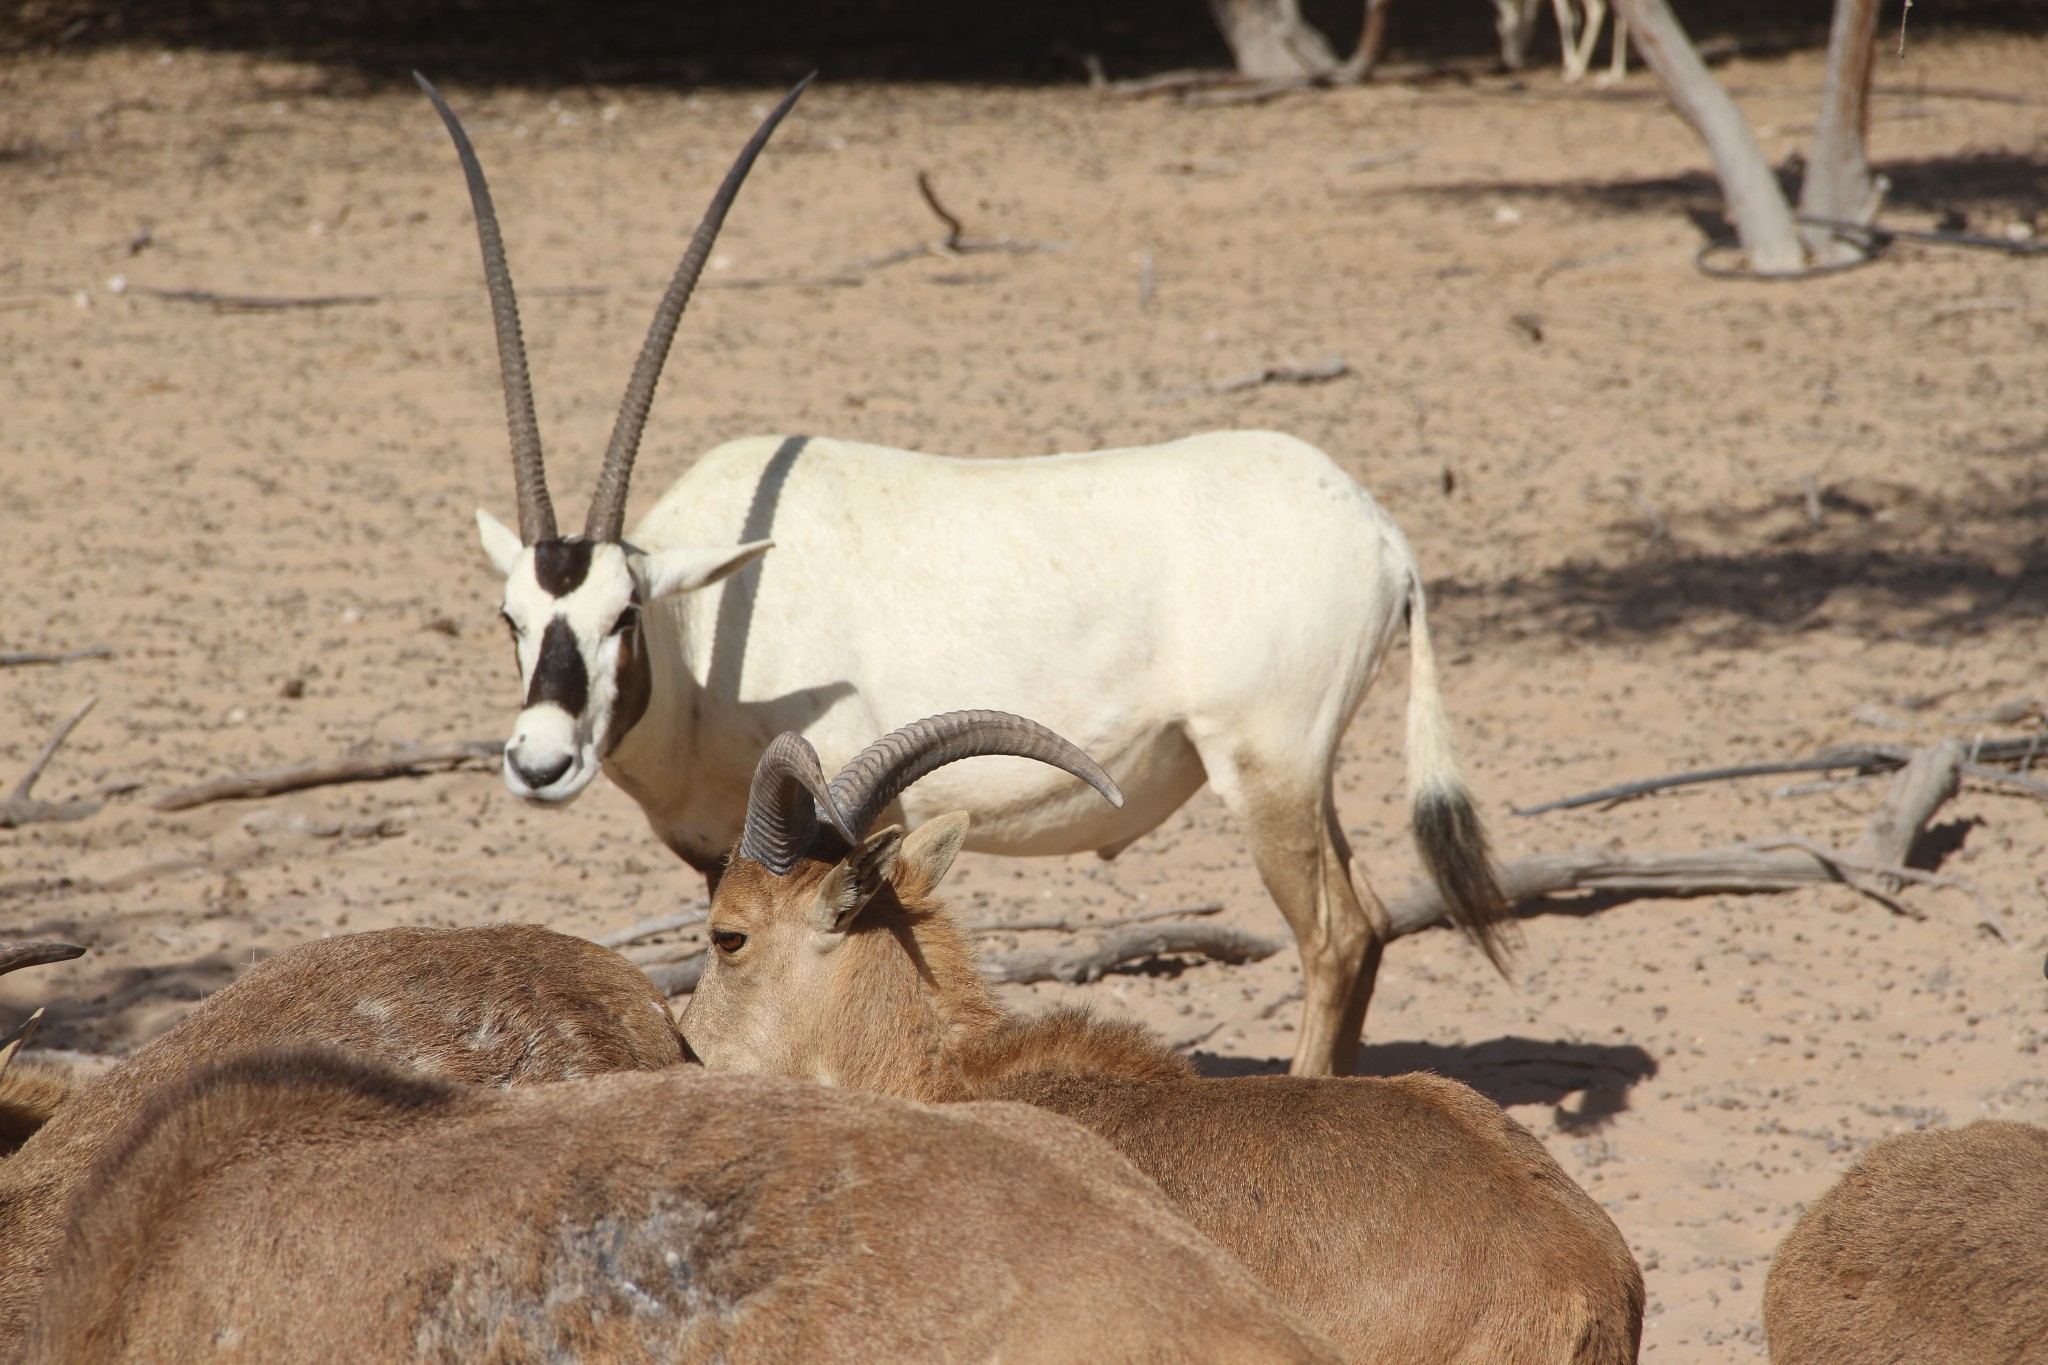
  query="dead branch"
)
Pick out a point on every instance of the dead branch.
point(1084, 927)
point(1386, 158)
point(272, 303)
point(22, 808)
point(21, 659)
point(1929, 778)
point(1782, 864)
point(1999, 777)
point(1316, 372)
point(660, 924)
point(409, 760)
point(1075, 966)
point(655, 954)
point(676, 978)
point(1862, 757)
point(954, 243)
point(2011, 711)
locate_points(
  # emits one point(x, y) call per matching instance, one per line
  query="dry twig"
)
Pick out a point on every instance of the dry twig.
point(22, 808)
point(408, 760)
point(1316, 372)
point(660, 924)
point(1874, 868)
point(1084, 927)
point(1076, 965)
point(1862, 757)
point(954, 243)
point(26, 657)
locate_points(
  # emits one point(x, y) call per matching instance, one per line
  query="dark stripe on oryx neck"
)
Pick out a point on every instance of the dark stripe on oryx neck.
point(562, 565)
point(558, 675)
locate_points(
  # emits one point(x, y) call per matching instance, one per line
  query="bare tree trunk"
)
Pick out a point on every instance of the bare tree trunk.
point(1271, 41)
point(1838, 180)
point(1762, 218)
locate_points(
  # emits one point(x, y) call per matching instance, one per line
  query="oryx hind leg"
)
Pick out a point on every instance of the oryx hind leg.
point(1291, 824)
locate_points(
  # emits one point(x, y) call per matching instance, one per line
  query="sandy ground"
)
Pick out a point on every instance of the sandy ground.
point(1604, 462)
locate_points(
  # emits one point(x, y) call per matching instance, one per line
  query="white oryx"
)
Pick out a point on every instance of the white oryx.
point(1211, 609)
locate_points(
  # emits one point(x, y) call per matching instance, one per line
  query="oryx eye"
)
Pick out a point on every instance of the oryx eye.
point(727, 941)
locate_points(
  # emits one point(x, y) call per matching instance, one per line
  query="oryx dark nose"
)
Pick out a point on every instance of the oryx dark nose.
point(544, 776)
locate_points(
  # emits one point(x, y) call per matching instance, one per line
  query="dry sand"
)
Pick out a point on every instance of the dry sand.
point(1602, 459)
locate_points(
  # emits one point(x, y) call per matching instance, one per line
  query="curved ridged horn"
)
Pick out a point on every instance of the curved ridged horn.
point(536, 512)
point(608, 505)
point(17, 955)
point(785, 804)
point(879, 772)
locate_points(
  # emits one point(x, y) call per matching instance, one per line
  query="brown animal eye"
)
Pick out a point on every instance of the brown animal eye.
point(728, 942)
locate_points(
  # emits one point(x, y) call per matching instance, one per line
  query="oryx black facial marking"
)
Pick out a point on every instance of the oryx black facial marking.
point(558, 674)
point(635, 683)
point(560, 566)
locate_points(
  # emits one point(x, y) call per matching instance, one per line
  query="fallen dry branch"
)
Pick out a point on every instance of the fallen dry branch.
point(1862, 757)
point(676, 978)
point(955, 243)
point(1076, 965)
point(22, 808)
point(409, 760)
point(1315, 372)
point(660, 924)
point(1927, 780)
point(23, 658)
point(1086, 927)
point(276, 303)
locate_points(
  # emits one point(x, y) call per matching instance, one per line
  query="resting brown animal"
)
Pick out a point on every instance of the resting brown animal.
point(494, 1005)
point(307, 1206)
point(1932, 1250)
point(1409, 1219)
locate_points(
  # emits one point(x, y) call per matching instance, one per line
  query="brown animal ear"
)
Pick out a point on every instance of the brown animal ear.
point(929, 851)
point(18, 1039)
point(853, 882)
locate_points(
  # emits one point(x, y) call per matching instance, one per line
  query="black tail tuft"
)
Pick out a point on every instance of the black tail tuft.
point(1453, 846)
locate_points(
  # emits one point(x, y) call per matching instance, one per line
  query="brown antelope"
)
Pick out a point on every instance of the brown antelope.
point(29, 1094)
point(494, 1005)
point(1409, 1219)
point(306, 1205)
point(1932, 1250)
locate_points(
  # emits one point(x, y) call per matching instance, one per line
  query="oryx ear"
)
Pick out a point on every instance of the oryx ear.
point(853, 882)
point(929, 850)
point(501, 543)
point(684, 570)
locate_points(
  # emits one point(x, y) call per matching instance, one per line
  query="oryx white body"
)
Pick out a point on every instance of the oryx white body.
point(1181, 612)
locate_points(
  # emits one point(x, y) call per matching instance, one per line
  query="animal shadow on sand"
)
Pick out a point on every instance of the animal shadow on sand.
point(1509, 1071)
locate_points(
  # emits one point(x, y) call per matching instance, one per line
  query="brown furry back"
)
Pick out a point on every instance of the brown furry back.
point(1409, 1219)
point(306, 1206)
point(1933, 1248)
point(493, 1005)
point(29, 1096)
point(1070, 1040)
